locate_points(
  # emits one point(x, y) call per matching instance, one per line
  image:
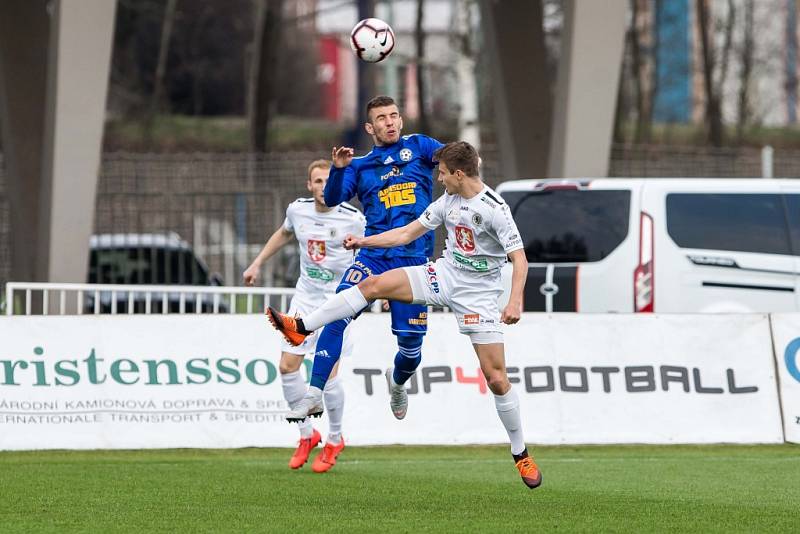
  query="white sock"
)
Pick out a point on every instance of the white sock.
point(508, 410)
point(294, 388)
point(342, 305)
point(334, 404)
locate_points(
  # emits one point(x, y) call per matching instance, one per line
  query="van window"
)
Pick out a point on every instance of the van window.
point(732, 221)
point(793, 215)
point(569, 226)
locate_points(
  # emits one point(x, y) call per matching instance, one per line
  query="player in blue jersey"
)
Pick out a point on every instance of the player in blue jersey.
point(394, 183)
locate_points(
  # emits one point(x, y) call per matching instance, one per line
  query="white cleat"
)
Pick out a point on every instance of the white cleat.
point(398, 400)
point(309, 406)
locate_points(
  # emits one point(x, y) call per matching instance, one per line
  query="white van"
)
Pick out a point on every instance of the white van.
point(658, 245)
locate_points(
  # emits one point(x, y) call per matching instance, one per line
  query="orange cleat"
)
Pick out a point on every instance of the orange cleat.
point(286, 325)
point(327, 458)
point(529, 472)
point(300, 455)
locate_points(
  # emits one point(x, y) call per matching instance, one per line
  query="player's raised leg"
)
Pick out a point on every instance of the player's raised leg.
point(491, 355)
point(392, 285)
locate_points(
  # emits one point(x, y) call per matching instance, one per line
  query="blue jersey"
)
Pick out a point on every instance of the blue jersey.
point(394, 185)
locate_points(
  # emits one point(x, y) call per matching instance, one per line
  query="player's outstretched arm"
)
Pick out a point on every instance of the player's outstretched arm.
point(390, 238)
point(519, 275)
point(278, 240)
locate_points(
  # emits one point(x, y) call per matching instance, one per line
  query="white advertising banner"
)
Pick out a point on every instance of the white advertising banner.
point(212, 381)
point(786, 332)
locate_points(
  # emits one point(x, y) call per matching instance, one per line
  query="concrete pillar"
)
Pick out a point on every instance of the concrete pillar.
point(522, 103)
point(24, 37)
point(54, 68)
point(592, 44)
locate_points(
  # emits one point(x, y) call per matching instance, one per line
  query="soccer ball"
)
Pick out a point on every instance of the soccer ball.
point(372, 40)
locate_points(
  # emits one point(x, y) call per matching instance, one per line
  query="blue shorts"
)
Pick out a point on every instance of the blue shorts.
point(406, 318)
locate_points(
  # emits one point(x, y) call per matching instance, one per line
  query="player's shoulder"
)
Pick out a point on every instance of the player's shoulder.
point(492, 199)
point(418, 138)
point(358, 161)
point(347, 209)
point(301, 203)
point(300, 206)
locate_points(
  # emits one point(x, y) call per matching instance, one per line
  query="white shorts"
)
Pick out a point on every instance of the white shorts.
point(472, 298)
point(302, 304)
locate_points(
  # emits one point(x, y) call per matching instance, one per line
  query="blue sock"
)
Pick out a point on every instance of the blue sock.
point(407, 358)
point(329, 349)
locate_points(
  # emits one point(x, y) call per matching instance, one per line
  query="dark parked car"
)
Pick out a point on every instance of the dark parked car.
point(153, 259)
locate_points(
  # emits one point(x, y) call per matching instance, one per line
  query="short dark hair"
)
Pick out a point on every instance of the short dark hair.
point(459, 156)
point(379, 102)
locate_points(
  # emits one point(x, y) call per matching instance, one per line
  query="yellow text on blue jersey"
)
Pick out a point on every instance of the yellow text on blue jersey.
point(398, 195)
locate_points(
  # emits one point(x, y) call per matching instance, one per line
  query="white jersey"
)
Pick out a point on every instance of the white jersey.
point(480, 230)
point(323, 258)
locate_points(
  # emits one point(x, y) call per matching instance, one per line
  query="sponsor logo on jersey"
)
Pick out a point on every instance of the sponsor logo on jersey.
point(388, 160)
point(406, 154)
point(319, 273)
point(465, 239)
point(513, 241)
point(398, 195)
point(477, 264)
point(433, 279)
point(316, 250)
point(472, 318)
point(394, 172)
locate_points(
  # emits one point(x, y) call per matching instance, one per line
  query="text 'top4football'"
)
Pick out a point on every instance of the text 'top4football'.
point(372, 40)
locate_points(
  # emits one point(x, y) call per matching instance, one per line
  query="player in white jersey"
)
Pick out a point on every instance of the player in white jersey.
point(319, 231)
point(481, 234)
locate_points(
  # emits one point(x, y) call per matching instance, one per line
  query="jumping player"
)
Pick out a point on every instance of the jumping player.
point(394, 183)
point(480, 234)
point(319, 231)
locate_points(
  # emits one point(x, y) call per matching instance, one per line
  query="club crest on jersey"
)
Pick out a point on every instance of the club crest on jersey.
point(465, 239)
point(477, 220)
point(316, 250)
point(406, 154)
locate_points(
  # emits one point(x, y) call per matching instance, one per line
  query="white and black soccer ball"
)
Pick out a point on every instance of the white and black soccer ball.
point(372, 40)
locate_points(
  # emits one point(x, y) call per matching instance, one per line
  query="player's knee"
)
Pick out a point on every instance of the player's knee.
point(498, 382)
point(370, 287)
point(290, 365)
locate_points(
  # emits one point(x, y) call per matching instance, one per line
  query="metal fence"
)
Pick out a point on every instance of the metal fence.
point(227, 204)
point(30, 298)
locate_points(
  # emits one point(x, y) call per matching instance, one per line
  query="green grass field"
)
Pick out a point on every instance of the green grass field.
point(405, 489)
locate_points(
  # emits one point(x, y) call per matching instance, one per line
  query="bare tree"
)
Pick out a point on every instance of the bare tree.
point(263, 81)
point(163, 54)
point(746, 60)
point(713, 83)
point(636, 67)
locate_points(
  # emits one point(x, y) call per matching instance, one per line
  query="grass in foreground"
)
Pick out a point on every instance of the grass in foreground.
point(405, 489)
